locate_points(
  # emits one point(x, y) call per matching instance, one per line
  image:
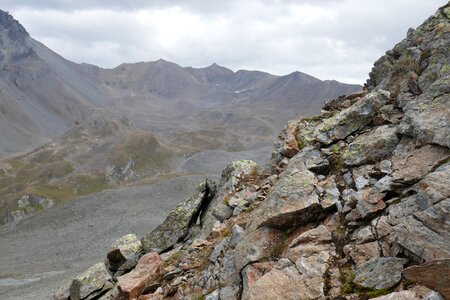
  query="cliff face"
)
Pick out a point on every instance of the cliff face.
point(354, 204)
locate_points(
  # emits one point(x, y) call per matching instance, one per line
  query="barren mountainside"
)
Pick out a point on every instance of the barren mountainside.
point(354, 203)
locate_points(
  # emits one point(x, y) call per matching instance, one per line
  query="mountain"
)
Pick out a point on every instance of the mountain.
point(43, 95)
point(353, 204)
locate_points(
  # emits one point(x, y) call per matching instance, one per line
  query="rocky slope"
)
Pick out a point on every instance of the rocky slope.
point(354, 203)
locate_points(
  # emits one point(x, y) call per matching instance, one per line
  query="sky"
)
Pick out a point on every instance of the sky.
point(329, 39)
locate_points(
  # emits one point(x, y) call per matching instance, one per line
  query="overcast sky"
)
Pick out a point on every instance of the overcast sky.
point(329, 39)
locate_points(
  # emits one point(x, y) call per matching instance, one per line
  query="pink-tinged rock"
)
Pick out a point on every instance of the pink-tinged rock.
point(147, 270)
point(434, 274)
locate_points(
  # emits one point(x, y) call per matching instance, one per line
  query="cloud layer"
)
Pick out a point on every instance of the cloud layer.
point(330, 39)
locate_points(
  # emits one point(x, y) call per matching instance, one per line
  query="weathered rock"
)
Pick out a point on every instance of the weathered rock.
point(230, 292)
point(257, 245)
point(231, 177)
point(425, 234)
point(351, 119)
point(213, 295)
point(380, 273)
point(112, 294)
point(410, 164)
point(222, 212)
point(434, 274)
point(266, 281)
point(416, 293)
point(63, 292)
point(237, 233)
point(124, 253)
point(294, 200)
point(427, 118)
point(372, 146)
point(132, 284)
point(176, 225)
point(316, 162)
point(91, 283)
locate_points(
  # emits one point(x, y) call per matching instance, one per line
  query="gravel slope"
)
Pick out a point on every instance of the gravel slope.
point(51, 247)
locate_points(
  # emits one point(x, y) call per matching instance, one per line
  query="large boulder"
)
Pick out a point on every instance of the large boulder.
point(294, 200)
point(176, 226)
point(132, 284)
point(91, 283)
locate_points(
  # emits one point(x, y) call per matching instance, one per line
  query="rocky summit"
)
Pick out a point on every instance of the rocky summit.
point(354, 203)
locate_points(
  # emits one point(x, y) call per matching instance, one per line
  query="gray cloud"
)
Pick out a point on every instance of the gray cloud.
point(330, 39)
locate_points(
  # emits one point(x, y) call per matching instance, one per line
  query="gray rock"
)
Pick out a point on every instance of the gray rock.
point(351, 119)
point(124, 253)
point(176, 225)
point(315, 162)
point(386, 166)
point(230, 292)
point(91, 283)
point(222, 212)
point(213, 296)
point(380, 273)
point(361, 182)
point(425, 234)
point(237, 233)
point(427, 118)
point(218, 249)
point(293, 200)
point(410, 164)
point(372, 146)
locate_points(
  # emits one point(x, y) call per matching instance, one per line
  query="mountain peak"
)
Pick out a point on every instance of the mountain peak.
point(12, 26)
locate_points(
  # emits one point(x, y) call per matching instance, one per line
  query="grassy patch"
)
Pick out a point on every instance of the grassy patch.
point(85, 185)
point(57, 193)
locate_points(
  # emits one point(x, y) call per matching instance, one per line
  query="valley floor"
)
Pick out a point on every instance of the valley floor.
point(48, 249)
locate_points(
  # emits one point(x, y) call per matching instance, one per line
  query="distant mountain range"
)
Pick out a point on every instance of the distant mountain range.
point(42, 94)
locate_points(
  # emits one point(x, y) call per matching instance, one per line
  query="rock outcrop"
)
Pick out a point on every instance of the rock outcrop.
point(354, 203)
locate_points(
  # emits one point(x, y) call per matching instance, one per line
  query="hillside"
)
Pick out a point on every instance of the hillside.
point(354, 203)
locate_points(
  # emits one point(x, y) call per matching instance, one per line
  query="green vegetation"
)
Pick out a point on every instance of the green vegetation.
point(347, 277)
point(57, 193)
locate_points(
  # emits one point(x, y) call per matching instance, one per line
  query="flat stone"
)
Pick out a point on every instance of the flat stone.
point(434, 274)
point(90, 283)
point(380, 273)
point(132, 284)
